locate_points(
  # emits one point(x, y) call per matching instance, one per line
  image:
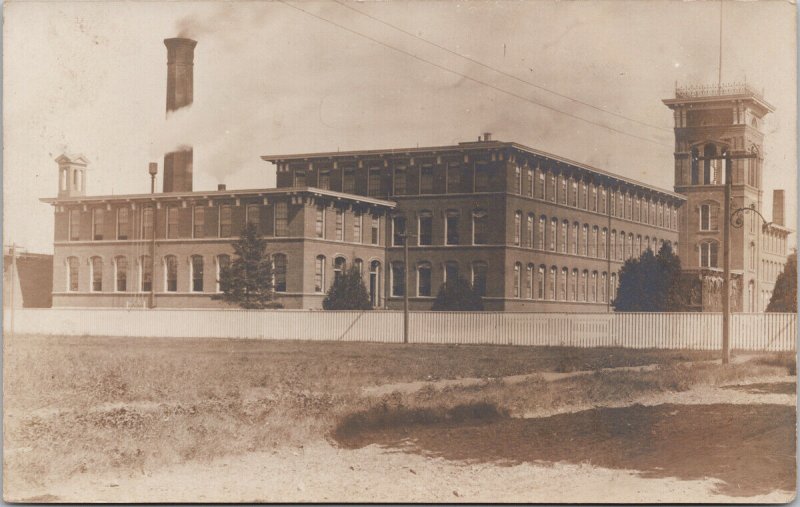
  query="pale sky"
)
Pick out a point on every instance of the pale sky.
point(89, 77)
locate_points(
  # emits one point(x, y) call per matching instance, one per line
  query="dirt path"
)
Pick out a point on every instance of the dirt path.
point(322, 473)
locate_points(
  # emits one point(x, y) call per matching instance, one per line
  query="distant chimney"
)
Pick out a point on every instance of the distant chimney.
point(487, 136)
point(778, 207)
point(180, 94)
point(221, 187)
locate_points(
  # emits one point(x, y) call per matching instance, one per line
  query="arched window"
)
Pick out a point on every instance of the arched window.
point(359, 265)
point(424, 279)
point(709, 165)
point(564, 233)
point(621, 246)
point(562, 284)
point(146, 273)
point(585, 240)
point(638, 249)
point(398, 230)
point(752, 255)
point(375, 283)
point(480, 227)
point(552, 282)
point(223, 262)
point(339, 267)
point(96, 275)
point(551, 244)
point(171, 273)
point(529, 234)
point(517, 279)
point(425, 227)
point(613, 287)
point(398, 274)
point(279, 272)
point(517, 227)
point(451, 227)
point(603, 243)
point(573, 291)
point(529, 282)
point(450, 271)
point(593, 287)
point(583, 288)
point(479, 270)
point(613, 244)
point(575, 236)
point(708, 254)
point(121, 274)
point(540, 282)
point(603, 283)
point(196, 265)
point(629, 246)
point(540, 236)
point(593, 242)
point(319, 274)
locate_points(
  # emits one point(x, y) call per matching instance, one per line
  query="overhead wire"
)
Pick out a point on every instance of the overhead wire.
point(473, 79)
point(502, 72)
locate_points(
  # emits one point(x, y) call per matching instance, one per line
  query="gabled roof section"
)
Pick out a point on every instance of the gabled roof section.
point(72, 158)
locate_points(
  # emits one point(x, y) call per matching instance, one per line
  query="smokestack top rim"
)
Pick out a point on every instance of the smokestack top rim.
point(179, 41)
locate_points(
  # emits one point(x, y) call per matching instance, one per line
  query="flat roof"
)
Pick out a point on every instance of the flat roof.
point(210, 194)
point(468, 146)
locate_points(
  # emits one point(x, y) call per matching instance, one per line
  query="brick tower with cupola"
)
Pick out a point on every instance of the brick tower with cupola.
point(712, 123)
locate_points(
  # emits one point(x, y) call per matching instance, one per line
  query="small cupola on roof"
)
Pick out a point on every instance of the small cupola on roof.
point(71, 175)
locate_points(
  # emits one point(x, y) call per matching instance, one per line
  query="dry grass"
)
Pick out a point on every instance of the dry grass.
point(82, 405)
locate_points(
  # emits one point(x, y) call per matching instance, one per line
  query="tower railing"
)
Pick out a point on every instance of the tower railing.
point(717, 90)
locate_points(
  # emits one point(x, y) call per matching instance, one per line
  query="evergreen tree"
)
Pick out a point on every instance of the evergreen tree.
point(247, 281)
point(650, 283)
point(457, 295)
point(784, 296)
point(348, 292)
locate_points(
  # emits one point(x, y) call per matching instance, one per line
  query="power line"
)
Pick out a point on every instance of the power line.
point(504, 73)
point(470, 78)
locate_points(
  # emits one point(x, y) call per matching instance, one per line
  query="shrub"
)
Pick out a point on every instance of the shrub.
point(347, 292)
point(457, 295)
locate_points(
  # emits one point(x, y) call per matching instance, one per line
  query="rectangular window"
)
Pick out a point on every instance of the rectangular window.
point(98, 220)
point(279, 272)
point(349, 180)
point(376, 225)
point(325, 179)
point(426, 179)
point(424, 280)
point(425, 228)
point(319, 274)
point(531, 182)
point(551, 187)
point(374, 182)
point(300, 178)
point(398, 231)
point(481, 177)
point(147, 273)
point(281, 218)
point(171, 267)
point(357, 220)
point(593, 199)
point(454, 178)
point(479, 270)
point(225, 221)
point(253, 215)
point(563, 193)
point(518, 180)
point(123, 223)
point(400, 180)
point(74, 267)
point(147, 222)
point(199, 217)
point(339, 225)
point(480, 225)
point(197, 273)
point(451, 224)
point(398, 279)
point(319, 222)
point(172, 222)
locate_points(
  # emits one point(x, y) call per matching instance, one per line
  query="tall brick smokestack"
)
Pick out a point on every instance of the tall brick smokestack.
point(180, 93)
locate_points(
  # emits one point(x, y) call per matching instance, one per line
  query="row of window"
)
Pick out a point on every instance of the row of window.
point(224, 223)
point(480, 228)
point(424, 270)
point(532, 182)
point(562, 284)
point(553, 187)
point(339, 216)
point(580, 239)
point(137, 275)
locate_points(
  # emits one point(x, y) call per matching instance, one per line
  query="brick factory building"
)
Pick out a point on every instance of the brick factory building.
point(532, 231)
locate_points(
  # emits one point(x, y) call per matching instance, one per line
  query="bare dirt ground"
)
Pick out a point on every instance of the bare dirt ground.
point(90, 420)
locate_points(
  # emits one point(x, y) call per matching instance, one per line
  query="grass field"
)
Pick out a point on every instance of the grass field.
point(82, 405)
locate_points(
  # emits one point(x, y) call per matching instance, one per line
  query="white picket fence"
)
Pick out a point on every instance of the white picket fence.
point(755, 331)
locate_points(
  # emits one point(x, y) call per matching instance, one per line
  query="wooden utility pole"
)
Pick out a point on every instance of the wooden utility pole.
point(726, 265)
point(153, 170)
